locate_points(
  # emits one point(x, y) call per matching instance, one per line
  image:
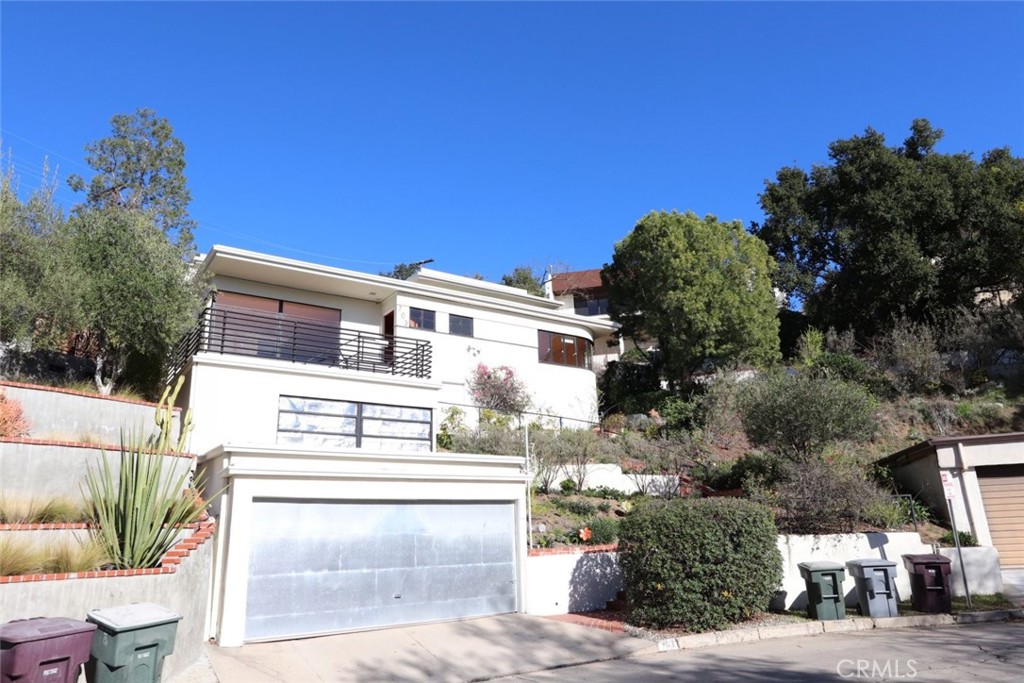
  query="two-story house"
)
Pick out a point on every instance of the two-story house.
point(317, 393)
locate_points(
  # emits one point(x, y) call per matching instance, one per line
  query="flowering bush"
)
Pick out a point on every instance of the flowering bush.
point(498, 389)
point(12, 420)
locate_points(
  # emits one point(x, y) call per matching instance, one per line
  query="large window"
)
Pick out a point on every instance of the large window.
point(422, 318)
point(350, 424)
point(461, 325)
point(564, 349)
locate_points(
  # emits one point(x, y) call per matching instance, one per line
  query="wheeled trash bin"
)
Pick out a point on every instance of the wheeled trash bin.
point(130, 643)
point(824, 581)
point(44, 649)
point(875, 581)
point(929, 582)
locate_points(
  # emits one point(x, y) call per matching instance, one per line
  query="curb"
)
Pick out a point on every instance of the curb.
point(814, 628)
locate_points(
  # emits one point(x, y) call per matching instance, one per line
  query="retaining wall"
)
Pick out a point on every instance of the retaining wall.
point(983, 574)
point(37, 468)
point(579, 579)
point(67, 415)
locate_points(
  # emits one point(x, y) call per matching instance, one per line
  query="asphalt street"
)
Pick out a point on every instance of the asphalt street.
point(982, 652)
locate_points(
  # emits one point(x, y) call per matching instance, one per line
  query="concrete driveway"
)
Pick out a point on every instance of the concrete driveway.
point(471, 650)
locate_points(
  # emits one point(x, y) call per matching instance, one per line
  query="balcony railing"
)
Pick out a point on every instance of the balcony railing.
point(243, 332)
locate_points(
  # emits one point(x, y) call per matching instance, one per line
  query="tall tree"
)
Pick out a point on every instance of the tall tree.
point(889, 232)
point(141, 165)
point(39, 281)
point(140, 296)
point(523, 277)
point(700, 287)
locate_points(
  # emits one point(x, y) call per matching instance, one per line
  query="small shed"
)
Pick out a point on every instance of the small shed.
point(981, 477)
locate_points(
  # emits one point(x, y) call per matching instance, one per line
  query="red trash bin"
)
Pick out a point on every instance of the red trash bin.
point(44, 649)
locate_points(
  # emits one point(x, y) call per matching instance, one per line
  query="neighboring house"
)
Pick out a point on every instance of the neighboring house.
point(982, 476)
point(317, 394)
point(583, 292)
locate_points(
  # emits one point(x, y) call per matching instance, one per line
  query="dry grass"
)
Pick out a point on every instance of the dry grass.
point(17, 556)
point(21, 556)
point(56, 510)
point(72, 555)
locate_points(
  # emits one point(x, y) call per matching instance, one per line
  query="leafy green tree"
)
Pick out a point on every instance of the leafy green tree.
point(402, 271)
point(700, 287)
point(140, 295)
point(38, 279)
point(141, 166)
point(523, 277)
point(887, 232)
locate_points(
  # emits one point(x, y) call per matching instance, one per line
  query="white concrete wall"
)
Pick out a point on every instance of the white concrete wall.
point(612, 476)
point(577, 581)
point(841, 548)
point(983, 573)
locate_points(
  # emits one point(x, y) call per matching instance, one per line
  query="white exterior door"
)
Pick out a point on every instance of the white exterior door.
point(330, 566)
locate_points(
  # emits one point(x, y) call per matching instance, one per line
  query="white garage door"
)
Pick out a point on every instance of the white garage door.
point(327, 566)
point(1002, 493)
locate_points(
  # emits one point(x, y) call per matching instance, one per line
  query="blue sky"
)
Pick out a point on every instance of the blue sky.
point(486, 135)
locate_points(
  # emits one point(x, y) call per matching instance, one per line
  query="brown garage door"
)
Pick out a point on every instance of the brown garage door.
point(1002, 491)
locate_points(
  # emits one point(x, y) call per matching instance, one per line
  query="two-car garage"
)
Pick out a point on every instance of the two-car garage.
point(313, 542)
point(330, 566)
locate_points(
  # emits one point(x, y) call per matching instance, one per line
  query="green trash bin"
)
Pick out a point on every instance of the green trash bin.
point(825, 601)
point(130, 643)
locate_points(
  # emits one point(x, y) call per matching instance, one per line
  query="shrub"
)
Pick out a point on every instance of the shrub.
point(908, 354)
point(568, 487)
point(816, 497)
point(967, 539)
point(488, 438)
point(72, 555)
point(605, 492)
point(698, 563)
point(580, 508)
point(12, 419)
point(498, 389)
point(746, 472)
point(799, 415)
point(450, 426)
point(603, 530)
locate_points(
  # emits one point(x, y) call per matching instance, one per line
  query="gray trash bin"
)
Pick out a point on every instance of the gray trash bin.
point(130, 643)
point(875, 580)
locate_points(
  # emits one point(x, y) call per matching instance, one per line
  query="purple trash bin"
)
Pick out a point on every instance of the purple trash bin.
point(44, 649)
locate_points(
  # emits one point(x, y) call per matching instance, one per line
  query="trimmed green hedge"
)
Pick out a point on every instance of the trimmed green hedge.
point(698, 563)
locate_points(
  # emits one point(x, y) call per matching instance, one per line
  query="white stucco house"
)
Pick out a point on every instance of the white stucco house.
point(317, 393)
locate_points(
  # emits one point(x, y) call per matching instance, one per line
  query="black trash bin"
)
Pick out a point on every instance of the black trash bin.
point(929, 583)
point(824, 582)
point(131, 643)
point(44, 649)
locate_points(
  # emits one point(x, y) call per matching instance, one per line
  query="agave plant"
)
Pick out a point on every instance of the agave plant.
point(138, 513)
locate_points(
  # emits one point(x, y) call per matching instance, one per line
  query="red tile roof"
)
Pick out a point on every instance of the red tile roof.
point(576, 281)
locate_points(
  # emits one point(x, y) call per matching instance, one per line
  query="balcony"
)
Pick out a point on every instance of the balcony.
point(242, 332)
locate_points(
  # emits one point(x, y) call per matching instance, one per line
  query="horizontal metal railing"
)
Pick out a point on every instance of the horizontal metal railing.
point(245, 332)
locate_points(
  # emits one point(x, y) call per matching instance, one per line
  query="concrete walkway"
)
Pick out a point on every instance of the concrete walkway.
point(472, 650)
